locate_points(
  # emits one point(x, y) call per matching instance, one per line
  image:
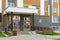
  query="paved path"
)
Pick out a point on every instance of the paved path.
point(28, 37)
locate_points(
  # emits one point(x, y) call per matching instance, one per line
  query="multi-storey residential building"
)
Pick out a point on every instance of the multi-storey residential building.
point(54, 14)
point(29, 13)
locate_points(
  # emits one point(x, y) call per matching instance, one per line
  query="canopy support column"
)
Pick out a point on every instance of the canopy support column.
point(11, 21)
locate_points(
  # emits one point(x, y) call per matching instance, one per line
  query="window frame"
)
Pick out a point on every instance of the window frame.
point(46, 8)
point(55, 10)
point(55, 1)
point(10, 3)
point(54, 20)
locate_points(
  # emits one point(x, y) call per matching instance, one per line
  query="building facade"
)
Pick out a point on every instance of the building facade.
point(46, 8)
point(54, 15)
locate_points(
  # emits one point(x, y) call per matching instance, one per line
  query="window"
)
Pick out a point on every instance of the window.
point(10, 3)
point(55, 9)
point(55, 0)
point(46, 8)
point(0, 17)
point(54, 20)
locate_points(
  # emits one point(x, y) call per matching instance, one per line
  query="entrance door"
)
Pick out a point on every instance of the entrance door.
point(20, 23)
point(26, 23)
point(16, 23)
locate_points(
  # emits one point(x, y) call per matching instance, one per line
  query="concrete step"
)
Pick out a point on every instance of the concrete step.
point(26, 32)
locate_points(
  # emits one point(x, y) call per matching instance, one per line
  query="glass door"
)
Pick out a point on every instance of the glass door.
point(16, 23)
point(26, 23)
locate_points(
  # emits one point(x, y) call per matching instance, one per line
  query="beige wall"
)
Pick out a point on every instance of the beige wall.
point(55, 14)
point(15, 2)
point(3, 8)
point(33, 2)
point(46, 5)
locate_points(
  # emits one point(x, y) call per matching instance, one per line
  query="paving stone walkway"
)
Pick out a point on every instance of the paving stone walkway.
point(28, 37)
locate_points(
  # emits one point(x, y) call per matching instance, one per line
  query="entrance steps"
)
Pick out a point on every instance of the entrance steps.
point(25, 32)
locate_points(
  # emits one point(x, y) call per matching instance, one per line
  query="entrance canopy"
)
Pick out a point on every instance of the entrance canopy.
point(21, 10)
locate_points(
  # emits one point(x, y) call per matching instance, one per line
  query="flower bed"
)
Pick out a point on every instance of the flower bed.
point(48, 32)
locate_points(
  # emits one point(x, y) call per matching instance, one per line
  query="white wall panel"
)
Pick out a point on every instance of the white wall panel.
point(48, 10)
point(42, 7)
point(19, 3)
point(0, 6)
point(6, 3)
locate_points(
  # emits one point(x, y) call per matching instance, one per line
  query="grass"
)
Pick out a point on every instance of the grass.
point(57, 39)
point(1, 35)
point(7, 33)
point(48, 33)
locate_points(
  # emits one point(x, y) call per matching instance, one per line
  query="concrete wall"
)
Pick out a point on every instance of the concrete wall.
point(41, 22)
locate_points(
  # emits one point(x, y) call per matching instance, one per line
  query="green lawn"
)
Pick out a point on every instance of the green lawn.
point(1, 35)
point(7, 33)
point(57, 39)
point(48, 33)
